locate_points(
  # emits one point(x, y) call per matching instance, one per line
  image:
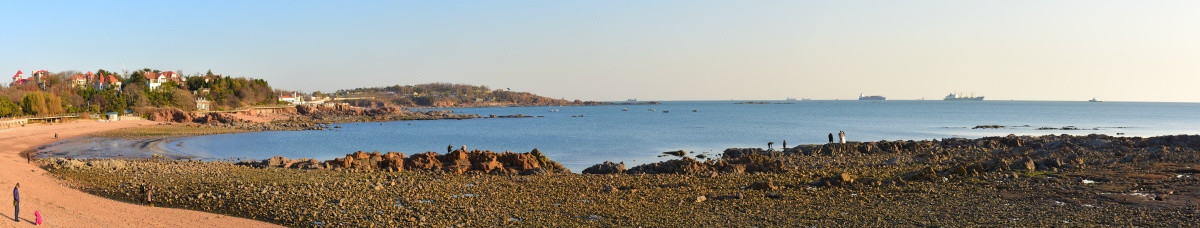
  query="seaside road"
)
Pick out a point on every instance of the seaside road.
point(63, 206)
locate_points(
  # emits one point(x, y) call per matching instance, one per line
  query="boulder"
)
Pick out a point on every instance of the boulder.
point(423, 161)
point(456, 162)
point(519, 162)
point(392, 161)
point(485, 161)
point(305, 164)
point(676, 166)
point(607, 167)
point(679, 153)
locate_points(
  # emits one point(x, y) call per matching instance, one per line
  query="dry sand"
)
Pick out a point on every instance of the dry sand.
point(63, 206)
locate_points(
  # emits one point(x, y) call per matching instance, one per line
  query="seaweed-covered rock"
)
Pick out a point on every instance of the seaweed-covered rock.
point(678, 166)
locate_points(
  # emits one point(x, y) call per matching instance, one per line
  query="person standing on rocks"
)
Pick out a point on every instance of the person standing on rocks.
point(769, 146)
point(784, 148)
point(841, 137)
point(449, 148)
point(149, 190)
point(17, 203)
point(830, 137)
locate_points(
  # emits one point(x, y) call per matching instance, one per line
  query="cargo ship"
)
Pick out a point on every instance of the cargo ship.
point(961, 97)
point(871, 98)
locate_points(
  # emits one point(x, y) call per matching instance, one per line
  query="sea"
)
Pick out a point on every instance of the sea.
point(581, 136)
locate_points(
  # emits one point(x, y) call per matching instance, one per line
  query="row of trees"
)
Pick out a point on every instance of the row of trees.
point(60, 95)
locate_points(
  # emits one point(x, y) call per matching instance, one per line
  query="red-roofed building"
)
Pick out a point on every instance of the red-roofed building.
point(78, 81)
point(157, 79)
point(104, 81)
point(37, 78)
point(293, 98)
point(114, 81)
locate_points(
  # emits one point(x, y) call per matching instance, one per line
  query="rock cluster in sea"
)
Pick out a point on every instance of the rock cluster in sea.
point(458, 162)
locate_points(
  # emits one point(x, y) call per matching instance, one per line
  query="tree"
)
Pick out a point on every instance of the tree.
point(135, 95)
point(9, 108)
point(182, 99)
point(41, 103)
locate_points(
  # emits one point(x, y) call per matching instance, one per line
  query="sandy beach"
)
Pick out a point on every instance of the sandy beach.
point(63, 206)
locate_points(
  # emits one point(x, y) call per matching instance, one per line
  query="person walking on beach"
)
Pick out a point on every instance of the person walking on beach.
point(830, 137)
point(17, 203)
point(841, 137)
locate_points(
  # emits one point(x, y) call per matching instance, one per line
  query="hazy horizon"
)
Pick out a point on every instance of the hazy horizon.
point(657, 50)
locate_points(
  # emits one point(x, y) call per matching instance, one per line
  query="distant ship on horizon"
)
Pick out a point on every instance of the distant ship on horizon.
point(1094, 100)
point(961, 97)
point(871, 98)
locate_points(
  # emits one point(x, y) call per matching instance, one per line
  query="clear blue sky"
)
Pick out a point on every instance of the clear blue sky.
point(653, 50)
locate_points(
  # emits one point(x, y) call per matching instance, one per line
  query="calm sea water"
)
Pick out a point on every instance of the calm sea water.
point(639, 135)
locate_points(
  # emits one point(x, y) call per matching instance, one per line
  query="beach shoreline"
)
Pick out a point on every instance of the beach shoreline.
point(64, 206)
point(1010, 181)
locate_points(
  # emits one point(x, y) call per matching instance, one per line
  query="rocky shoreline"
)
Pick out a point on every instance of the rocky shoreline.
point(995, 181)
point(457, 162)
point(299, 117)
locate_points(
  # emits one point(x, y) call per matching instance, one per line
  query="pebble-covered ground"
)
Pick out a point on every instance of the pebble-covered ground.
point(1154, 191)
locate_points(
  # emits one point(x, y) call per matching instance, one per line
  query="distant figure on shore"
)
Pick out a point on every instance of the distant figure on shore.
point(149, 190)
point(37, 215)
point(830, 137)
point(841, 137)
point(449, 148)
point(784, 145)
point(56, 135)
point(769, 144)
point(17, 203)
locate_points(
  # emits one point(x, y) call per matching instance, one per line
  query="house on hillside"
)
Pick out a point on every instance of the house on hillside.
point(17, 80)
point(291, 98)
point(95, 80)
point(156, 79)
point(202, 104)
point(39, 77)
point(105, 81)
point(78, 80)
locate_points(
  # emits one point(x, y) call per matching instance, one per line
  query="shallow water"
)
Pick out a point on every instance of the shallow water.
point(639, 135)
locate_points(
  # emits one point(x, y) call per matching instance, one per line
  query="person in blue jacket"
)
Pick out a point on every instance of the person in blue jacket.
point(16, 203)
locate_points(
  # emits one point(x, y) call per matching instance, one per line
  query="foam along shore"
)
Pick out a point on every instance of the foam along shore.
point(64, 206)
point(1004, 181)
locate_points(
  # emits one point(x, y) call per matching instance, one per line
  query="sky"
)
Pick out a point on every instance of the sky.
point(650, 50)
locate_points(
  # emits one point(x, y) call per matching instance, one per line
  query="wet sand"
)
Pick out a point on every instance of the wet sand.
point(64, 206)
